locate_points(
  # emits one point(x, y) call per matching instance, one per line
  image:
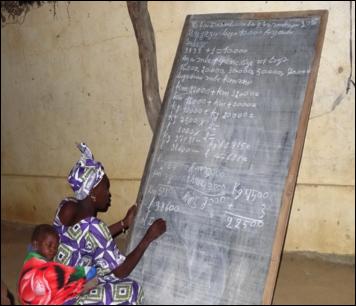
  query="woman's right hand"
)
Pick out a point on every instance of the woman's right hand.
point(156, 229)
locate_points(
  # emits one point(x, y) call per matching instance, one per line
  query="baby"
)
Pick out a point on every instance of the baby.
point(44, 282)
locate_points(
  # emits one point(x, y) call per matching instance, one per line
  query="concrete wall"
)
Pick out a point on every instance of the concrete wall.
point(76, 76)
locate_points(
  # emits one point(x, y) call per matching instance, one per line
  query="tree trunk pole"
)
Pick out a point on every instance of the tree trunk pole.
point(142, 25)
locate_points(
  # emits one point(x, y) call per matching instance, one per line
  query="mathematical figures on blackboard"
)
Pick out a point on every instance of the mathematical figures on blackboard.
point(237, 222)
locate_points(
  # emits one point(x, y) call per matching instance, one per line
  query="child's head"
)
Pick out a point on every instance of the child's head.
point(45, 241)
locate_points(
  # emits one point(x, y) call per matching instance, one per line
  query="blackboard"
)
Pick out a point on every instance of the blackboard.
point(224, 159)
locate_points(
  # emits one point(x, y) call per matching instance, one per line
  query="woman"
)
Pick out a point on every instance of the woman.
point(85, 240)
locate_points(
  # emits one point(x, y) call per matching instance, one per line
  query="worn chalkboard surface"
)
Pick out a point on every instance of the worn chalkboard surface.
point(224, 159)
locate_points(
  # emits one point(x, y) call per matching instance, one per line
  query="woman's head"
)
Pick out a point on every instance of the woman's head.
point(45, 241)
point(88, 180)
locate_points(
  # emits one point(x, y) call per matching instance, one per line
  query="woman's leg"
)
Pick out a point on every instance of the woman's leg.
point(123, 292)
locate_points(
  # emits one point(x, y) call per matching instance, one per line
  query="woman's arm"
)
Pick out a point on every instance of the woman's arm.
point(119, 227)
point(154, 231)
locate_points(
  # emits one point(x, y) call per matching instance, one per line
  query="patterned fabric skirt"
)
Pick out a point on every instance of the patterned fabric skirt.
point(122, 292)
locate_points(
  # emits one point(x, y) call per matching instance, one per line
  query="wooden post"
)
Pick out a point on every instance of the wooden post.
point(147, 51)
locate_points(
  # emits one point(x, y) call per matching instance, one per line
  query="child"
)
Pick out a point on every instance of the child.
point(43, 282)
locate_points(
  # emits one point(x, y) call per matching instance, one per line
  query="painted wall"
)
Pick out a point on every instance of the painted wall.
point(76, 76)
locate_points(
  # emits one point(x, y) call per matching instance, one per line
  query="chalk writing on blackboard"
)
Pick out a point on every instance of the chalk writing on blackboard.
point(220, 157)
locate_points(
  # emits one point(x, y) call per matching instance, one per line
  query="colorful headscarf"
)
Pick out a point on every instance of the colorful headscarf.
point(86, 174)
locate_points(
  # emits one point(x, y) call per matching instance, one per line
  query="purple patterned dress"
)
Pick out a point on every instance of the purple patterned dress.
point(89, 243)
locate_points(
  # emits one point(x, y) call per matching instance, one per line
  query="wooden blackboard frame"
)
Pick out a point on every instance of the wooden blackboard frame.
point(290, 182)
point(288, 193)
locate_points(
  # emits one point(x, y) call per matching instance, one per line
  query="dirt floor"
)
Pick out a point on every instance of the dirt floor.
point(301, 281)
